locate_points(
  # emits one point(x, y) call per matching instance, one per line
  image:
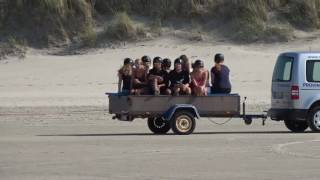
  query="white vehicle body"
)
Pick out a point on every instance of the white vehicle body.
point(295, 86)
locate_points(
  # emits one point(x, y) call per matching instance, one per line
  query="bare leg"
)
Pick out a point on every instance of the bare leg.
point(155, 87)
point(188, 91)
point(176, 91)
point(168, 92)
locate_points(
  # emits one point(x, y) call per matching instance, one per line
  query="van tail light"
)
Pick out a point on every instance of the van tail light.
point(295, 92)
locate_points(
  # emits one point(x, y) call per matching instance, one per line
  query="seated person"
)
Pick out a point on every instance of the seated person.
point(139, 79)
point(166, 65)
point(199, 78)
point(186, 64)
point(146, 61)
point(158, 78)
point(125, 75)
point(179, 79)
point(220, 76)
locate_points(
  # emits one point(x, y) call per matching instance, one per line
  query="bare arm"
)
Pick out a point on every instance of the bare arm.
point(206, 78)
point(194, 81)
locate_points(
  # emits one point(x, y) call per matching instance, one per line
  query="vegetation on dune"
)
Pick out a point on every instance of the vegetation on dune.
point(47, 21)
point(13, 47)
point(302, 14)
point(52, 22)
point(123, 28)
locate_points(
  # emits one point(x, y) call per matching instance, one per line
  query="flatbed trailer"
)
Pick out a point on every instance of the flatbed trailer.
point(178, 112)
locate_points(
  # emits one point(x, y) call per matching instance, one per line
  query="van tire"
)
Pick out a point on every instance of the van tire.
point(183, 123)
point(314, 119)
point(158, 125)
point(296, 126)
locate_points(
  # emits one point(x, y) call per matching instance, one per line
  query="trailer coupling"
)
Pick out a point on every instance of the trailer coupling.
point(249, 117)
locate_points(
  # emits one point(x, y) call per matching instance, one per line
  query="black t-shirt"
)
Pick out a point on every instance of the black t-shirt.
point(182, 77)
point(156, 72)
point(126, 82)
point(161, 73)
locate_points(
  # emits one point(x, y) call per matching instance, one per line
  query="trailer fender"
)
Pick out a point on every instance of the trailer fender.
point(178, 107)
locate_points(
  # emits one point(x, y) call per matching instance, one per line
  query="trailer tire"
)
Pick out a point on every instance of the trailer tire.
point(158, 125)
point(296, 126)
point(183, 123)
point(314, 119)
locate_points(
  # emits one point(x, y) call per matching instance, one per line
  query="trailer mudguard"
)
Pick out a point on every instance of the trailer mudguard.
point(178, 107)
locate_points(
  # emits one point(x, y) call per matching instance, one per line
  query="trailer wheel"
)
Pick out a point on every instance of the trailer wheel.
point(158, 125)
point(296, 126)
point(183, 123)
point(314, 119)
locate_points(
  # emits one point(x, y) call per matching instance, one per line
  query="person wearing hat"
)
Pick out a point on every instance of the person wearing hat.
point(146, 61)
point(125, 76)
point(220, 76)
point(179, 79)
point(199, 78)
point(166, 65)
point(156, 77)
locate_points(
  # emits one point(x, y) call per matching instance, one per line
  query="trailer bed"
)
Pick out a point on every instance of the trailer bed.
point(221, 105)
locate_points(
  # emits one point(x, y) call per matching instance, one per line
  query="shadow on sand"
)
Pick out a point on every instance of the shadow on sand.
point(171, 134)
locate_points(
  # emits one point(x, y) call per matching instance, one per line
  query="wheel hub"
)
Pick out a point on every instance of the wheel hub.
point(159, 123)
point(316, 119)
point(183, 124)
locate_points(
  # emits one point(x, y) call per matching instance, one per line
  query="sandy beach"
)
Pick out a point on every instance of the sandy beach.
point(54, 122)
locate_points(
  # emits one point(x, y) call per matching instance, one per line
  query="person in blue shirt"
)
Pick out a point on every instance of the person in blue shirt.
point(220, 79)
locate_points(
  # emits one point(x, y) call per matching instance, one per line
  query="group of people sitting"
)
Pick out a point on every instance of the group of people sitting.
point(138, 78)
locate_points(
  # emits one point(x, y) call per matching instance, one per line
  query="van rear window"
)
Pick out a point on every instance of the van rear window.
point(313, 70)
point(283, 69)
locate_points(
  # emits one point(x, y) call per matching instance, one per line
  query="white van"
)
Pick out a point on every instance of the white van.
point(296, 91)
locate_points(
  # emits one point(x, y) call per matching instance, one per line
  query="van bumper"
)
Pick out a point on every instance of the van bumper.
point(291, 114)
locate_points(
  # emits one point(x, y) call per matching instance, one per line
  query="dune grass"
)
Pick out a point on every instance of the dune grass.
point(13, 47)
point(53, 21)
point(39, 20)
point(123, 28)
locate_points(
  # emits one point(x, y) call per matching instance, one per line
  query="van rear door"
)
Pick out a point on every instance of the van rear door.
point(282, 89)
point(310, 91)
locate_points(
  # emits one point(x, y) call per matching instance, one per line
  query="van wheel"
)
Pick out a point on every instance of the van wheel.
point(296, 126)
point(183, 123)
point(158, 125)
point(314, 119)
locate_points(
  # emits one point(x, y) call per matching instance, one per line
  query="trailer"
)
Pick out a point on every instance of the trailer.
point(178, 113)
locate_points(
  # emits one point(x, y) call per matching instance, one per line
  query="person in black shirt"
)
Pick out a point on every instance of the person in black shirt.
point(157, 78)
point(179, 79)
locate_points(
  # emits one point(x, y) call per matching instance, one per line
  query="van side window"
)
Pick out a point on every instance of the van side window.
point(313, 71)
point(283, 69)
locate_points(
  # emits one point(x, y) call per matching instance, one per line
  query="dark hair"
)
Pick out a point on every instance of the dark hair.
point(166, 62)
point(178, 61)
point(183, 57)
point(198, 63)
point(218, 58)
point(157, 60)
point(146, 59)
point(127, 61)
